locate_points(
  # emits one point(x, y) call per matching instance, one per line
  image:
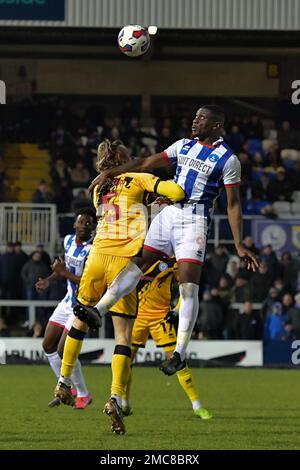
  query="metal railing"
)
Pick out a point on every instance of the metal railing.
point(219, 223)
point(28, 223)
point(32, 305)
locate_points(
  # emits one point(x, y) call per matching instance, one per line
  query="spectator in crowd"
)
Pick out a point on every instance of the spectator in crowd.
point(184, 128)
point(261, 188)
point(80, 201)
point(294, 176)
point(246, 178)
point(293, 315)
point(21, 259)
point(273, 162)
point(148, 136)
point(42, 195)
point(8, 276)
point(62, 144)
point(289, 271)
point(287, 303)
point(249, 244)
point(281, 288)
point(216, 264)
point(260, 283)
point(34, 269)
point(4, 330)
point(280, 188)
point(60, 173)
point(275, 325)
point(241, 290)
point(63, 198)
point(37, 330)
point(80, 176)
point(258, 162)
point(243, 271)
point(235, 139)
point(268, 255)
point(249, 323)
point(232, 268)
point(272, 297)
point(225, 291)
point(45, 257)
point(254, 128)
point(210, 320)
point(165, 139)
point(288, 141)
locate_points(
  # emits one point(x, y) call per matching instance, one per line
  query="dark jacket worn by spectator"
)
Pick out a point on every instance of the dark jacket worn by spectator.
point(33, 270)
point(210, 319)
point(293, 315)
point(249, 323)
point(260, 283)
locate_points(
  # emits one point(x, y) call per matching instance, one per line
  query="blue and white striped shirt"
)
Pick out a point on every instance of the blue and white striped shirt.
point(75, 257)
point(203, 170)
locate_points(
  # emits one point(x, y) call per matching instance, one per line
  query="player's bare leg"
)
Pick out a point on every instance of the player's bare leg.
point(189, 279)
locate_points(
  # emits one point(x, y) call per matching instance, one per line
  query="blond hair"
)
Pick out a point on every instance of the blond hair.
point(106, 154)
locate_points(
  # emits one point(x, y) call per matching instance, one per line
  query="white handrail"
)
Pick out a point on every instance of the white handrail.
point(34, 304)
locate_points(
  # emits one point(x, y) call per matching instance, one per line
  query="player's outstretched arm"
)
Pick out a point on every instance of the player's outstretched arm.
point(44, 283)
point(137, 165)
point(171, 190)
point(234, 212)
point(61, 270)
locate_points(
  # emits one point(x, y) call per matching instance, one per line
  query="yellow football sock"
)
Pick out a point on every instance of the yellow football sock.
point(126, 395)
point(186, 381)
point(72, 350)
point(120, 365)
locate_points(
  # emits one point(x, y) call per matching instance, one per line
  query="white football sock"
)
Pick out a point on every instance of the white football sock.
point(78, 380)
point(122, 285)
point(188, 313)
point(55, 362)
point(118, 399)
point(65, 380)
point(196, 404)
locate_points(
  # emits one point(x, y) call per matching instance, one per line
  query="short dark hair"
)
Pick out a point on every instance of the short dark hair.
point(217, 112)
point(86, 211)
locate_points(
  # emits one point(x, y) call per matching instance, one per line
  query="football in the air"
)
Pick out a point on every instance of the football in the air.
point(133, 40)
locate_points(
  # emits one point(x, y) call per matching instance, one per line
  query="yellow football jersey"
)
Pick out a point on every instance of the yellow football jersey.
point(157, 288)
point(123, 217)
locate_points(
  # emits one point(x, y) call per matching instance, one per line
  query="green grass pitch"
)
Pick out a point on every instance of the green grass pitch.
point(253, 409)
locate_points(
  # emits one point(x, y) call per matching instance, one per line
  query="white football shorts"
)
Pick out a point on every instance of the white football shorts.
point(61, 314)
point(179, 231)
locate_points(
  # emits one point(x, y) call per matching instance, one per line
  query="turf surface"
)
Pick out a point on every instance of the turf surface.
point(253, 409)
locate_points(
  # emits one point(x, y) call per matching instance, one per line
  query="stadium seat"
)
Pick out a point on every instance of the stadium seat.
point(296, 196)
point(282, 207)
point(267, 144)
point(296, 208)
